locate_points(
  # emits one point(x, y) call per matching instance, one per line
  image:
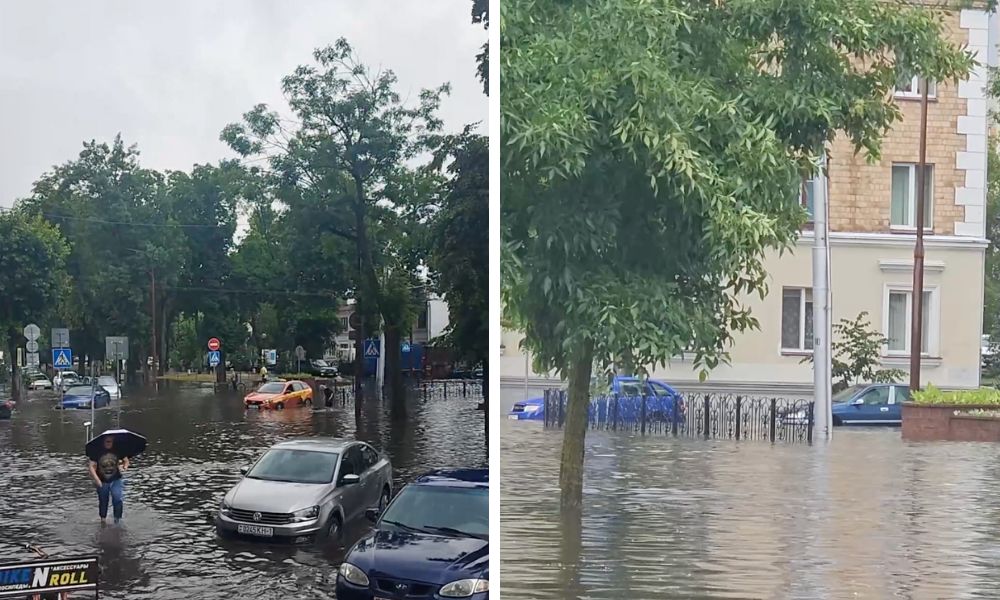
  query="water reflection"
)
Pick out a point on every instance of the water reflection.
point(866, 517)
point(198, 440)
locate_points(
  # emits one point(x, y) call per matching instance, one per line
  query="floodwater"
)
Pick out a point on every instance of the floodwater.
point(198, 440)
point(867, 516)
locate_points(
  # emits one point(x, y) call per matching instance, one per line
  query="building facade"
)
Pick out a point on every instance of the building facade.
point(872, 234)
point(431, 322)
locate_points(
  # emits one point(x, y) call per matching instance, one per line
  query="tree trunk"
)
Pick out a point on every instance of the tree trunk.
point(575, 428)
point(15, 372)
point(393, 370)
point(359, 298)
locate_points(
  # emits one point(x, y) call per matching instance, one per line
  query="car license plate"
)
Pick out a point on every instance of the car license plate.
point(256, 530)
point(512, 417)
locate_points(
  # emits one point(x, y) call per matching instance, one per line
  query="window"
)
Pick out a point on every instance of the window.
point(908, 86)
point(876, 395)
point(351, 463)
point(808, 196)
point(796, 319)
point(369, 457)
point(898, 321)
point(904, 197)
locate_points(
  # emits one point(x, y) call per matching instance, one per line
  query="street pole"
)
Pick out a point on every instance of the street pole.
point(527, 362)
point(821, 304)
point(152, 302)
point(917, 296)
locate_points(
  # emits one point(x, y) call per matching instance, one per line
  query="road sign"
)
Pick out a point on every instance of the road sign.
point(33, 359)
point(371, 349)
point(214, 344)
point(300, 353)
point(214, 358)
point(32, 332)
point(271, 357)
point(116, 347)
point(62, 358)
point(32, 346)
point(60, 337)
point(354, 320)
point(406, 347)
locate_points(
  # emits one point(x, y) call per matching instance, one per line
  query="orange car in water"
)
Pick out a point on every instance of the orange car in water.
point(279, 394)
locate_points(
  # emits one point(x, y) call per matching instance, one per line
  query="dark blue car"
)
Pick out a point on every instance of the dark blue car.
point(660, 399)
point(81, 396)
point(432, 541)
point(870, 404)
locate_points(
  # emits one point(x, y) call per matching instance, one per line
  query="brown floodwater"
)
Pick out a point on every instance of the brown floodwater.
point(866, 516)
point(198, 440)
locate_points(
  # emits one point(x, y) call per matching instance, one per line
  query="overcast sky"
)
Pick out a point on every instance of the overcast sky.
point(170, 75)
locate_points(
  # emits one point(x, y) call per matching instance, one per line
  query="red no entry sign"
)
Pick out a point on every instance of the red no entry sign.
point(214, 344)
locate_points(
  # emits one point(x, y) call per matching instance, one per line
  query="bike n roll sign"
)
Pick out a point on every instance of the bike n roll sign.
point(48, 576)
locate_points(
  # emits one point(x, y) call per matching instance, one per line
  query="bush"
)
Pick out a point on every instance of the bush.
point(933, 395)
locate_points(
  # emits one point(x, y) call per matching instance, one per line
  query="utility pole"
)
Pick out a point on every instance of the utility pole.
point(152, 302)
point(822, 387)
point(917, 296)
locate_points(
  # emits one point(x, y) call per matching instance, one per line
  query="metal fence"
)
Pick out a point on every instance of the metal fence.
point(427, 389)
point(708, 416)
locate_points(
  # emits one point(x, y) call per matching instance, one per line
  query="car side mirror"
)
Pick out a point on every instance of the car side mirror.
point(244, 470)
point(372, 514)
point(349, 479)
point(858, 402)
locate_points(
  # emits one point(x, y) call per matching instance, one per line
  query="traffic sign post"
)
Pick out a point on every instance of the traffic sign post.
point(300, 355)
point(214, 358)
point(60, 337)
point(371, 349)
point(214, 344)
point(31, 332)
point(62, 358)
point(32, 347)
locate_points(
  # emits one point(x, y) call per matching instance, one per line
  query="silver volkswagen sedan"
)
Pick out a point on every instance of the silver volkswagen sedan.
point(308, 487)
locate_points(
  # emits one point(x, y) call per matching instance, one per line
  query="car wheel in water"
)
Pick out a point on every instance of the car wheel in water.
point(333, 530)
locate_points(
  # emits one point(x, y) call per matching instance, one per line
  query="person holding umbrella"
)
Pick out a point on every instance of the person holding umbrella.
point(109, 455)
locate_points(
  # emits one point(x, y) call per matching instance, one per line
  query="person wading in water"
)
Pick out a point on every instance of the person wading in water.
point(107, 475)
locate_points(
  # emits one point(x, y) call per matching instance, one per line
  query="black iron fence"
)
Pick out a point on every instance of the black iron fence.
point(427, 389)
point(708, 416)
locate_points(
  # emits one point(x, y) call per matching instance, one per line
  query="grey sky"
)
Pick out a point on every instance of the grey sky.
point(170, 75)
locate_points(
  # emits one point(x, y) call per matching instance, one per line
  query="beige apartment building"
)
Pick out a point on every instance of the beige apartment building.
point(871, 222)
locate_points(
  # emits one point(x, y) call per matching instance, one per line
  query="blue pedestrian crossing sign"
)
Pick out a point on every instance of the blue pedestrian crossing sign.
point(214, 358)
point(62, 358)
point(371, 349)
point(406, 347)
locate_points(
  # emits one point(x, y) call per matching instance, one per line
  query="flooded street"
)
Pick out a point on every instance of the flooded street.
point(198, 440)
point(868, 516)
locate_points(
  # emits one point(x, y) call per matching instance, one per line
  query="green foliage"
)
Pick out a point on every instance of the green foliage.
point(991, 304)
point(856, 353)
point(652, 153)
point(933, 395)
point(481, 14)
point(32, 259)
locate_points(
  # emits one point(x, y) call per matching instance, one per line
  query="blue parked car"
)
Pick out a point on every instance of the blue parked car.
point(432, 541)
point(661, 408)
point(81, 396)
point(870, 404)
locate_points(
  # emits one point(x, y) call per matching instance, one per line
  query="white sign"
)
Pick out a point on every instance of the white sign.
point(33, 359)
point(32, 346)
point(271, 356)
point(32, 332)
point(60, 337)
point(116, 347)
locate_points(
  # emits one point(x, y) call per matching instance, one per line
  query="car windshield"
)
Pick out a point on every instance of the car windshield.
point(846, 394)
point(37, 377)
point(107, 381)
point(440, 509)
point(320, 363)
point(70, 375)
point(79, 390)
point(272, 388)
point(295, 466)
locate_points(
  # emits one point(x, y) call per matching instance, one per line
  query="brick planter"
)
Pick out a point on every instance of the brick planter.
point(938, 422)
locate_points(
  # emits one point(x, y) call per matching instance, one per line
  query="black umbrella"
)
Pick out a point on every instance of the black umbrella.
point(127, 444)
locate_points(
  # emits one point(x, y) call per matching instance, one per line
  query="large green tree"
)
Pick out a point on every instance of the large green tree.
point(32, 259)
point(651, 156)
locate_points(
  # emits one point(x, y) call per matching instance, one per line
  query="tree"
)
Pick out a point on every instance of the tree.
point(652, 153)
point(481, 14)
point(857, 354)
point(460, 252)
point(351, 138)
point(32, 259)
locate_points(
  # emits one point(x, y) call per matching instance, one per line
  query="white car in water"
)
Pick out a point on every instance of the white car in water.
point(109, 383)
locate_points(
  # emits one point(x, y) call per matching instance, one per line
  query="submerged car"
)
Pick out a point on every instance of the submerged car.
point(82, 396)
point(306, 488)
point(65, 379)
point(38, 381)
point(320, 368)
point(663, 402)
point(111, 385)
point(432, 541)
point(279, 394)
point(862, 404)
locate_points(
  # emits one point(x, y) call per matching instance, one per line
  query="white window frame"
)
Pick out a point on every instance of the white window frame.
point(929, 215)
point(802, 321)
point(914, 92)
point(933, 328)
point(808, 187)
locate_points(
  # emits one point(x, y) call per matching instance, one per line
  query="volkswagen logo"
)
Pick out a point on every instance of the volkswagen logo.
point(402, 588)
point(256, 516)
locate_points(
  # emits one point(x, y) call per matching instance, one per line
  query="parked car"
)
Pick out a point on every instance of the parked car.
point(6, 408)
point(38, 381)
point(306, 487)
point(81, 396)
point(432, 541)
point(661, 409)
point(64, 379)
point(278, 394)
point(863, 404)
point(111, 385)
